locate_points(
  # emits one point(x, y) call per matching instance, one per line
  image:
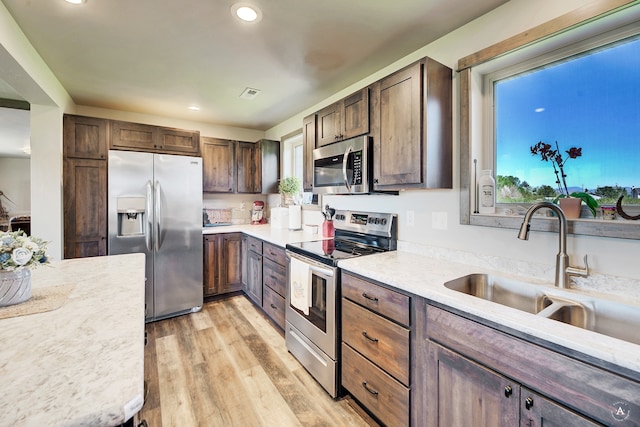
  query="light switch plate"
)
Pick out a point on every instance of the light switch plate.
point(411, 218)
point(439, 220)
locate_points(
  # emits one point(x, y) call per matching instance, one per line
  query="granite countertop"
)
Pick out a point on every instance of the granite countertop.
point(83, 363)
point(424, 273)
point(277, 236)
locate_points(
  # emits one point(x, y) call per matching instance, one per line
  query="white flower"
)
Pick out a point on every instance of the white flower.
point(32, 246)
point(21, 256)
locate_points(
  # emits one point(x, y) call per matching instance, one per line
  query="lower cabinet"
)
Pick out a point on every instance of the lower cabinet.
point(479, 376)
point(265, 277)
point(376, 346)
point(222, 263)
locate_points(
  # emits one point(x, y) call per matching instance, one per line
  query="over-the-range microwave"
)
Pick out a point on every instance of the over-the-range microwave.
point(343, 167)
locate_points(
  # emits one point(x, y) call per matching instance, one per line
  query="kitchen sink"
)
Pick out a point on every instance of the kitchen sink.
point(612, 318)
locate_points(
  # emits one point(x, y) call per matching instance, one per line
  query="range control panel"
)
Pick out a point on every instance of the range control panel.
point(379, 224)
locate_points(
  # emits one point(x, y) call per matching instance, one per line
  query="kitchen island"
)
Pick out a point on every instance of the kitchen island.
point(81, 364)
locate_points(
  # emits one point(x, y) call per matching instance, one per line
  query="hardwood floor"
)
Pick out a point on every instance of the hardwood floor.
point(228, 366)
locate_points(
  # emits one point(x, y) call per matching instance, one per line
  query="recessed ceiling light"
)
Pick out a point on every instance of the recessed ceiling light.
point(246, 12)
point(194, 108)
point(76, 1)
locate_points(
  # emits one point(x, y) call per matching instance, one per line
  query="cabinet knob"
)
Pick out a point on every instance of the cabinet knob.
point(528, 403)
point(508, 391)
point(273, 306)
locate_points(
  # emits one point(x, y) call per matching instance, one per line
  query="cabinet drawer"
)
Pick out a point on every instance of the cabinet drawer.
point(254, 244)
point(273, 305)
point(385, 397)
point(383, 342)
point(274, 276)
point(274, 253)
point(391, 304)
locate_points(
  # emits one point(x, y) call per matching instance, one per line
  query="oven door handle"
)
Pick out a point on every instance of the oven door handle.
point(324, 271)
point(345, 161)
point(313, 265)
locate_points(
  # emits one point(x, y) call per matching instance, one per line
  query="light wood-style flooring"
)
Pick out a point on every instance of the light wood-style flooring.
point(228, 366)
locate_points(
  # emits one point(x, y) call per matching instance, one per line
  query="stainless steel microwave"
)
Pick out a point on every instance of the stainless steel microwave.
point(343, 167)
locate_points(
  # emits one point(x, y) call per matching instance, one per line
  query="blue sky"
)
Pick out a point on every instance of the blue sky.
point(591, 102)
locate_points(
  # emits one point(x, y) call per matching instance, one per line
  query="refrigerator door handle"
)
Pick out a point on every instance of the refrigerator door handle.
point(149, 228)
point(158, 215)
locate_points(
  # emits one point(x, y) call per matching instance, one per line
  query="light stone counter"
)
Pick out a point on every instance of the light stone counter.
point(277, 236)
point(423, 272)
point(82, 364)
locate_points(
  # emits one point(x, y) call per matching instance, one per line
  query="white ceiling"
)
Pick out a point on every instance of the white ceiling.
point(160, 56)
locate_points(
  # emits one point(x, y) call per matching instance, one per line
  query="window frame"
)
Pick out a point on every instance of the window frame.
point(584, 27)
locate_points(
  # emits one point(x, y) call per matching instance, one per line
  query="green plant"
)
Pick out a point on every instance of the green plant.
point(557, 161)
point(289, 186)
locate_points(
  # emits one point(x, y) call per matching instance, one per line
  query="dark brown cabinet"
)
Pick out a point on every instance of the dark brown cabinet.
point(376, 354)
point(480, 376)
point(141, 137)
point(240, 167)
point(85, 186)
point(222, 263)
point(308, 145)
point(412, 128)
point(218, 165)
point(344, 119)
point(252, 271)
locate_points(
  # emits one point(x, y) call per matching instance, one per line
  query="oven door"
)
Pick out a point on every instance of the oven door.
point(320, 324)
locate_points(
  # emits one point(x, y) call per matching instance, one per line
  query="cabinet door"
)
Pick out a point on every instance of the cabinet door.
point(85, 208)
point(217, 165)
point(176, 141)
point(461, 393)
point(85, 137)
point(249, 168)
point(355, 114)
point(253, 282)
point(134, 136)
point(328, 123)
point(537, 411)
point(230, 262)
point(210, 264)
point(398, 155)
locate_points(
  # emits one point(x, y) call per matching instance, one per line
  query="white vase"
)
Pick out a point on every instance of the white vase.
point(15, 287)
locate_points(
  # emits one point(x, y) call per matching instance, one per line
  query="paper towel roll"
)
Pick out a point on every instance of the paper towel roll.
point(295, 217)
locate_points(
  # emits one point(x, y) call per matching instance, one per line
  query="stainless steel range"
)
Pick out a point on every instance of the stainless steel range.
point(313, 292)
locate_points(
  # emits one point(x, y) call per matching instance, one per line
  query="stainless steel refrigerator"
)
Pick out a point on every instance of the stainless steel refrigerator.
point(155, 208)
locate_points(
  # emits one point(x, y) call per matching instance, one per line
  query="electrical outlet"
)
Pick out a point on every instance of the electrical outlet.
point(439, 220)
point(411, 218)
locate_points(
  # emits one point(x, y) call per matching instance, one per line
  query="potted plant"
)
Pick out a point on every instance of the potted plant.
point(547, 154)
point(289, 187)
point(19, 254)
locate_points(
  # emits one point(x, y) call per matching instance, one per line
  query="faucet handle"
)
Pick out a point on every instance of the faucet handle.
point(577, 271)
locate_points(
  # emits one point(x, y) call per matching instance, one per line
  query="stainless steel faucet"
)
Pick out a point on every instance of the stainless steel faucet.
point(563, 270)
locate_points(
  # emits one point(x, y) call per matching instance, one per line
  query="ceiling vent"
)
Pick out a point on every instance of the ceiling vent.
point(250, 93)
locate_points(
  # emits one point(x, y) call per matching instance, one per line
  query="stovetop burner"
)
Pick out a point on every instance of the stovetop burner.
point(357, 234)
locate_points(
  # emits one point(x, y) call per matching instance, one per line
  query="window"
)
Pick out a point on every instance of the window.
point(589, 100)
point(607, 28)
point(292, 160)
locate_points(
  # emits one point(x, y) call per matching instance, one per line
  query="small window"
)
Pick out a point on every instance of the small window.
point(590, 101)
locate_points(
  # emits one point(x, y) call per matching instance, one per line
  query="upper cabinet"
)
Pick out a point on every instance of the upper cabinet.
point(344, 119)
point(140, 137)
point(218, 165)
point(85, 137)
point(240, 167)
point(411, 128)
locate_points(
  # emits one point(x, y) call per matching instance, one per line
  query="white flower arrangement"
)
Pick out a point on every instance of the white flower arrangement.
point(19, 251)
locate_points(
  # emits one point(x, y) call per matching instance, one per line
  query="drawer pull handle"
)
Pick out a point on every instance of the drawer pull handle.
point(508, 391)
point(273, 306)
point(364, 334)
point(370, 390)
point(528, 403)
point(374, 299)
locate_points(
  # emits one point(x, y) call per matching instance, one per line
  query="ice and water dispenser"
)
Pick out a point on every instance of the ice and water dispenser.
point(131, 216)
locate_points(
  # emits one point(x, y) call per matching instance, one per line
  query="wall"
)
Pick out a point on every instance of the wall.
point(437, 212)
point(15, 183)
